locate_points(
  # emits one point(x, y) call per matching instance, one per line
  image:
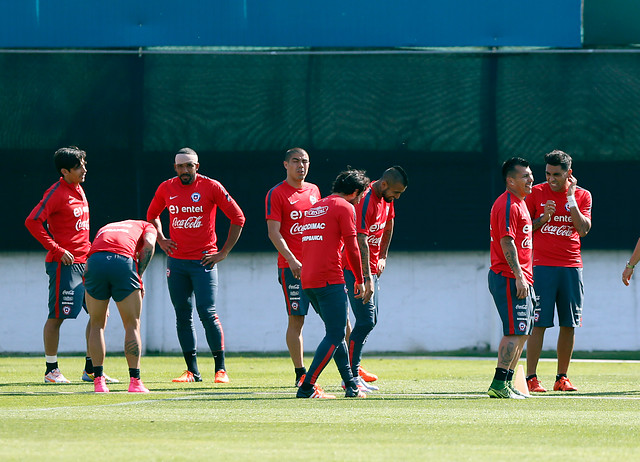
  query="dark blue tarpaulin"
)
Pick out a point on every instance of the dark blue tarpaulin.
point(289, 23)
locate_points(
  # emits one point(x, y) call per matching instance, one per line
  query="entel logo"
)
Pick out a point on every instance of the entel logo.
point(526, 229)
point(173, 209)
point(296, 214)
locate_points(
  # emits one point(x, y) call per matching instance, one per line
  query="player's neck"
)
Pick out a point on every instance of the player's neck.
point(295, 183)
point(515, 193)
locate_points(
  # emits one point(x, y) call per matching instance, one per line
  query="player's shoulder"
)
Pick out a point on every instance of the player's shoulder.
point(277, 188)
point(583, 191)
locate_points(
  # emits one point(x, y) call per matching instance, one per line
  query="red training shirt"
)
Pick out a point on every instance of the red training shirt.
point(510, 217)
point(557, 243)
point(65, 210)
point(192, 214)
point(122, 237)
point(287, 205)
point(328, 226)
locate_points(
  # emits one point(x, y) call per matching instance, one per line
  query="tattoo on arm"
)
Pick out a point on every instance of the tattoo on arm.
point(144, 258)
point(131, 348)
point(364, 252)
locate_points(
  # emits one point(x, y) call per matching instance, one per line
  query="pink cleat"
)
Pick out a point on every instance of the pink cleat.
point(136, 386)
point(100, 385)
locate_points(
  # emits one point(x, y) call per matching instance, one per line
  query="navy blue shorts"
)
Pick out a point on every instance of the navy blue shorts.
point(66, 291)
point(110, 275)
point(559, 287)
point(517, 314)
point(294, 297)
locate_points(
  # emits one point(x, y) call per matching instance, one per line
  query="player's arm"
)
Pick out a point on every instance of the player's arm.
point(362, 289)
point(232, 238)
point(153, 216)
point(146, 252)
point(384, 245)
point(511, 255)
point(273, 229)
point(549, 210)
point(35, 224)
point(363, 247)
point(633, 261)
point(581, 223)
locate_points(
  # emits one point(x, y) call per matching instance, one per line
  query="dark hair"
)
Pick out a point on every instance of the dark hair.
point(560, 158)
point(349, 181)
point(395, 175)
point(68, 158)
point(509, 166)
point(187, 151)
point(293, 151)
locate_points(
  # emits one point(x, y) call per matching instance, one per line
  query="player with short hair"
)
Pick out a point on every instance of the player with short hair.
point(192, 201)
point(511, 275)
point(285, 205)
point(561, 214)
point(60, 222)
point(329, 225)
point(374, 224)
point(119, 255)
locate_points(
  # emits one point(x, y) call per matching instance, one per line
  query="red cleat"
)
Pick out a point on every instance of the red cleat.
point(563, 384)
point(534, 385)
point(367, 376)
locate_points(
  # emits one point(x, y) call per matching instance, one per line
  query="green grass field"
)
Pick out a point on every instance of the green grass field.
point(427, 409)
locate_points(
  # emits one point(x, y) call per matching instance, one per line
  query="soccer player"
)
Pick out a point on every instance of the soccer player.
point(631, 264)
point(60, 222)
point(374, 224)
point(119, 255)
point(285, 205)
point(192, 200)
point(511, 275)
point(329, 225)
point(561, 214)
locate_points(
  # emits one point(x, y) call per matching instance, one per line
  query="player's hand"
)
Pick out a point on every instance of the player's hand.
point(296, 268)
point(549, 210)
point(382, 263)
point(210, 259)
point(67, 258)
point(522, 288)
point(626, 275)
point(167, 245)
point(573, 183)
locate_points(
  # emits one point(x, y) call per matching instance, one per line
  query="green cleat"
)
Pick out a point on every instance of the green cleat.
point(500, 390)
point(515, 390)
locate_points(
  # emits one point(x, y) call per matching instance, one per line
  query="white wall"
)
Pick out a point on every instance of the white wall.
point(428, 302)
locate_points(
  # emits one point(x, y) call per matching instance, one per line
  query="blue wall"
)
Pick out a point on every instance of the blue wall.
point(289, 23)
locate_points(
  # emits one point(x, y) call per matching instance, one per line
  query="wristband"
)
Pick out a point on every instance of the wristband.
point(630, 266)
point(571, 200)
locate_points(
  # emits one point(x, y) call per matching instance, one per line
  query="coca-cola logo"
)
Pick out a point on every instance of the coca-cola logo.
point(563, 230)
point(527, 243)
point(187, 223)
point(374, 241)
point(82, 225)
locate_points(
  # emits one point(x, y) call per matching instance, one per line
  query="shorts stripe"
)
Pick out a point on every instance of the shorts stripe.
point(512, 328)
point(323, 364)
point(57, 305)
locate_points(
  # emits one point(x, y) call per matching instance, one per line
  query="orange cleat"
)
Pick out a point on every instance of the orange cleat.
point(221, 376)
point(188, 376)
point(534, 385)
point(367, 376)
point(315, 392)
point(563, 384)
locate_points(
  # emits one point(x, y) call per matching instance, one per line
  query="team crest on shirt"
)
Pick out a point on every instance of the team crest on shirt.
point(313, 199)
point(567, 208)
point(195, 197)
point(522, 326)
point(168, 272)
point(66, 310)
point(294, 306)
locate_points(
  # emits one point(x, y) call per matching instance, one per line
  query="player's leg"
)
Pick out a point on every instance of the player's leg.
point(297, 306)
point(181, 292)
point(366, 315)
point(205, 287)
point(98, 319)
point(130, 309)
point(570, 302)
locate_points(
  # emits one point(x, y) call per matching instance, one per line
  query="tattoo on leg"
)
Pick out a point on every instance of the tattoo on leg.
point(131, 348)
point(506, 354)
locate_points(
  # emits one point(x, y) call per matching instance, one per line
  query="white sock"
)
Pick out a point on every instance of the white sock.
point(51, 359)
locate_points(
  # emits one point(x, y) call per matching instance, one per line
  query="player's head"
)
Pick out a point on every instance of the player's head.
point(393, 183)
point(558, 169)
point(296, 162)
point(517, 176)
point(71, 163)
point(350, 182)
point(186, 165)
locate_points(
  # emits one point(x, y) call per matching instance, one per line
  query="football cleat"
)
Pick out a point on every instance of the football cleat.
point(534, 385)
point(515, 390)
point(367, 376)
point(136, 386)
point(502, 393)
point(100, 385)
point(188, 376)
point(55, 376)
point(361, 384)
point(315, 392)
point(89, 378)
point(350, 392)
point(564, 384)
point(221, 376)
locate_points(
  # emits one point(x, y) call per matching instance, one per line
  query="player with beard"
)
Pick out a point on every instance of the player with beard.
point(192, 200)
point(374, 222)
point(285, 205)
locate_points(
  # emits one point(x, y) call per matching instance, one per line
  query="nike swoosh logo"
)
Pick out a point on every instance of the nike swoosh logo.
point(208, 270)
point(172, 197)
point(293, 202)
